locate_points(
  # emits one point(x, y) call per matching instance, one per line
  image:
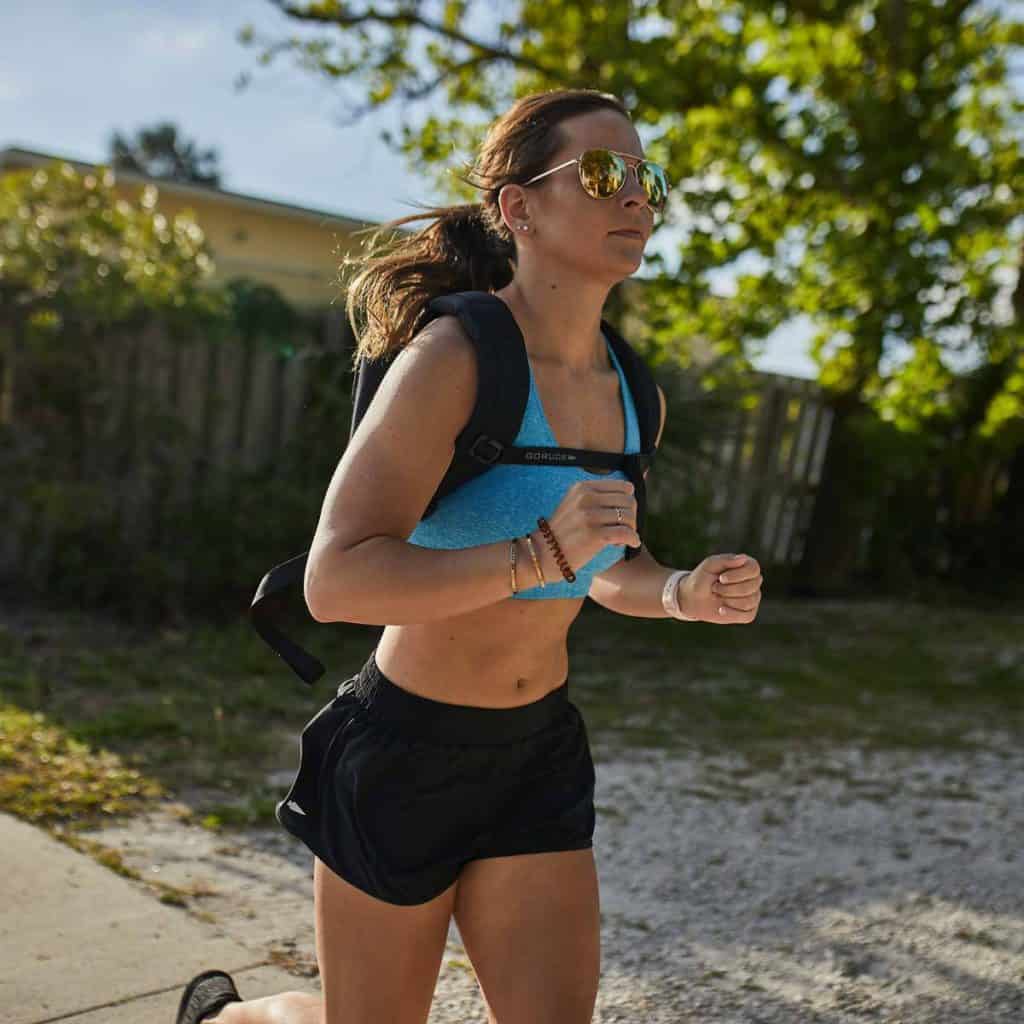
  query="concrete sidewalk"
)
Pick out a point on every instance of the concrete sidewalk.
point(80, 942)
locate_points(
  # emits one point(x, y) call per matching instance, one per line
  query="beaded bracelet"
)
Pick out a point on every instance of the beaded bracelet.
point(563, 564)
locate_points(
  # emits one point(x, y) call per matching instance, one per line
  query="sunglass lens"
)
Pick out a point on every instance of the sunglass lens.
point(602, 173)
point(654, 183)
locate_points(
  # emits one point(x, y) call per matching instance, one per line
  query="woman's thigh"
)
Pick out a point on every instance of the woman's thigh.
point(531, 925)
point(378, 961)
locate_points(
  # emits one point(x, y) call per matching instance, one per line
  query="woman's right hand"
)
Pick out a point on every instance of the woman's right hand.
point(585, 522)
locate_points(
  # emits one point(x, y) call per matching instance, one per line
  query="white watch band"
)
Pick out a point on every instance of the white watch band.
point(670, 596)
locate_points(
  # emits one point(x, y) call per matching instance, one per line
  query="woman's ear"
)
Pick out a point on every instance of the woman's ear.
point(513, 206)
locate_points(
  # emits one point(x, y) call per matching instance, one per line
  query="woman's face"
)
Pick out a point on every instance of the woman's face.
point(570, 227)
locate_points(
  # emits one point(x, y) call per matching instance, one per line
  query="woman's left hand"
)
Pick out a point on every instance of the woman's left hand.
point(723, 588)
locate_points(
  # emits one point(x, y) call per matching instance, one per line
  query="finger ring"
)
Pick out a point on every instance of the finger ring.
point(618, 512)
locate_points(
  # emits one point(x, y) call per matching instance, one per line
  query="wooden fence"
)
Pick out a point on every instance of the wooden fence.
point(760, 465)
point(772, 468)
point(205, 408)
point(239, 405)
point(233, 405)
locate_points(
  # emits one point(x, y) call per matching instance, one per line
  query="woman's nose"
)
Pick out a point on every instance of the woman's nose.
point(633, 190)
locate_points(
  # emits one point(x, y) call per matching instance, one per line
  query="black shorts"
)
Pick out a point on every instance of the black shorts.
point(396, 792)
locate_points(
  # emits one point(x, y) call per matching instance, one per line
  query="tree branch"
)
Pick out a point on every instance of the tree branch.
point(407, 19)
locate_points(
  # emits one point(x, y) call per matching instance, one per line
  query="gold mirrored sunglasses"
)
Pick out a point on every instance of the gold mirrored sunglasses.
point(604, 172)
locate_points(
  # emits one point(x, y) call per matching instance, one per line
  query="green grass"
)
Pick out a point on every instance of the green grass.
point(875, 674)
point(99, 719)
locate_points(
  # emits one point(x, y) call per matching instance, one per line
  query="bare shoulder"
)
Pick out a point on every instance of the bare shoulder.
point(434, 376)
point(442, 340)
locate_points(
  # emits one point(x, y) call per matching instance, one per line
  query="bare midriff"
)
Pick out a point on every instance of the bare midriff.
point(509, 653)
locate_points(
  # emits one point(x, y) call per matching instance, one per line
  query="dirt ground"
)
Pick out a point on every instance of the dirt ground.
point(847, 886)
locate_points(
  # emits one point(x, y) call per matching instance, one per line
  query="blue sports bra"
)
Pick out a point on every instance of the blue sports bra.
point(505, 501)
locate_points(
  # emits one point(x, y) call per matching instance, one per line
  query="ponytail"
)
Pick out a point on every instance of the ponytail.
point(462, 250)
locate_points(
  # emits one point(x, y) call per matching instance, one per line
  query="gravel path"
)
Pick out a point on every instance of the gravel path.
point(839, 886)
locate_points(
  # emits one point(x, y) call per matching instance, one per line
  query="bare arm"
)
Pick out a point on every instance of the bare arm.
point(387, 581)
point(361, 567)
point(634, 588)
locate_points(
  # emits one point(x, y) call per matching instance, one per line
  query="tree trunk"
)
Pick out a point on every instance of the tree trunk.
point(833, 535)
point(12, 357)
point(1008, 532)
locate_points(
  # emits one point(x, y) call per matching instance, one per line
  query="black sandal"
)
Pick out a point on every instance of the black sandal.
point(205, 996)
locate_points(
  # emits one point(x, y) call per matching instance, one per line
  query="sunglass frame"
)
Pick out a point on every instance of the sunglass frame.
point(603, 149)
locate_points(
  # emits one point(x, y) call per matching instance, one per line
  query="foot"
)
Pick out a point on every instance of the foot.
point(205, 996)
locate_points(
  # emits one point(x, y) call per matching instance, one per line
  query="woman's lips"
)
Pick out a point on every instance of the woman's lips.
point(629, 234)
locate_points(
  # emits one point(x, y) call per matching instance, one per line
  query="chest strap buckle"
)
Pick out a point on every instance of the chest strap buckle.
point(493, 455)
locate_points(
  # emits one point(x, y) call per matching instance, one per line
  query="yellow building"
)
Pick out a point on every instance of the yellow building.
point(280, 244)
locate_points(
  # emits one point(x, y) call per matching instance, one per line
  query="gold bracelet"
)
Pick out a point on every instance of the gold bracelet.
point(536, 560)
point(512, 564)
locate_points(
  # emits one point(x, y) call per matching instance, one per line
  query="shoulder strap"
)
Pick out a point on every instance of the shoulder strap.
point(644, 389)
point(503, 385)
point(642, 386)
point(261, 613)
point(365, 381)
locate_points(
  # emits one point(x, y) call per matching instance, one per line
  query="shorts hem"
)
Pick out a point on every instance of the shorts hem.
point(285, 818)
point(515, 849)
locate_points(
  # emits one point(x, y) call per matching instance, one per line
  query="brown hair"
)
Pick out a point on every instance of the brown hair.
point(468, 247)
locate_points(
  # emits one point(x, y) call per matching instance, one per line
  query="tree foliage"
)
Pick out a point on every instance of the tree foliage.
point(71, 248)
point(77, 260)
point(158, 152)
point(858, 162)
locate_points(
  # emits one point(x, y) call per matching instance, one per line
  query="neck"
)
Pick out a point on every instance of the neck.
point(560, 318)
